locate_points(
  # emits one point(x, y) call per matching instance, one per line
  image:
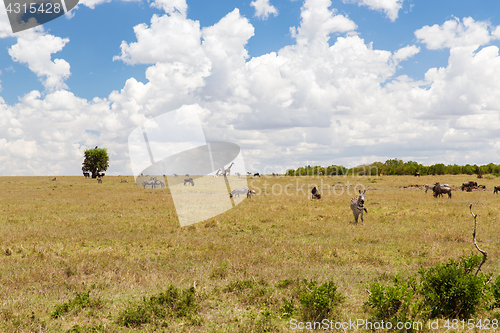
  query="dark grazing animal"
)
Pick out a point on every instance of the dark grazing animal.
point(99, 180)
point(358, 206)
point(417, 174)
point(469, 186)
point(496, 189)
point(256, 174)
point(439, 190)
point(189, 181)
point(315, 193)
point(250, 193)
point(86, 174)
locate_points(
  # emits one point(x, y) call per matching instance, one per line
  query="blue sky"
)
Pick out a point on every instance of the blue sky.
point(306, 82)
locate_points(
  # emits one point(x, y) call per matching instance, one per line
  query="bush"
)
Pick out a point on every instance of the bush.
point(318, 302)
point(174, 303)
point(80, 301)
point(451, 290)
point(397, 303)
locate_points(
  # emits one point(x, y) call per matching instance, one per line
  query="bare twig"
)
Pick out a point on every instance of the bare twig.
point(474, 238)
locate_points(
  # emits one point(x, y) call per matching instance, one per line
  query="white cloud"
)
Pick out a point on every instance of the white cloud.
point(35, 49)
point(320, 100)
point(389, 7)
point(319, 22)
point(171, 6)
point(454, 33)
point(263, 9)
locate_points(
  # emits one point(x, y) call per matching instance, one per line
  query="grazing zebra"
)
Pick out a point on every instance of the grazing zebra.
point(176, 175)
point(86, 174)
point(149, 182)
point(159, 183)
point(189, 181)
point(238, 191)
point(315, 193)
point(99, 180)
point(238, 174)
point(496, 189)
point(358, 206)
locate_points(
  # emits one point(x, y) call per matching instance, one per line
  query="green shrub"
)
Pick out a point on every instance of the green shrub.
point(80, 301)
point(174, 303)
point(451, 290)
point(318, 302)
point(397, 303)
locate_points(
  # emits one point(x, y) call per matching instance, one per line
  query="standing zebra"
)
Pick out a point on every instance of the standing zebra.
point(358, 206)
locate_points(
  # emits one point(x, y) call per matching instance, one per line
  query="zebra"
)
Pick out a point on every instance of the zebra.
point(99, 180)
point(159, 183)
point(176, 175)
point(315, 193)
point(496, 189)
point(358, 206)
point(238, 174)
point(189, 181)
point(238, 191)
point(149, 182)
point(244, 190)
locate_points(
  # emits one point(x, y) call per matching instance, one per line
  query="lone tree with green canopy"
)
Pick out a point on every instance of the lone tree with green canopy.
point(96, 161)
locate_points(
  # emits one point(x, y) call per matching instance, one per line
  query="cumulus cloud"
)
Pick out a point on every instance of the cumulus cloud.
point(389, 7)
point(456, 33)
point(328, 98)
point(35, 48)
point(319, 22)
point(263, 9)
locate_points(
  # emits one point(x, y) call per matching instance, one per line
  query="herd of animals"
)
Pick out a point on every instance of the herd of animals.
point(357, 203)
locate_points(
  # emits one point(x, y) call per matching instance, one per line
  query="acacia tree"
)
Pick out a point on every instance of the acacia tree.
point(96, 160)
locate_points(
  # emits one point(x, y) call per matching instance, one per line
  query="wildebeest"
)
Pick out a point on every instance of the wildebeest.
point(417, 174)
point(315, 193)
point(189, 181)
point(358, 206)
point(496, 189)
point(256, 174)
point(469, 186)
point(250, 193)
point(431, 187)
point(439, 190)
point(86, 174)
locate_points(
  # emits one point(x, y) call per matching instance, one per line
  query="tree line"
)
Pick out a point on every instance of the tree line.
point(397, 167)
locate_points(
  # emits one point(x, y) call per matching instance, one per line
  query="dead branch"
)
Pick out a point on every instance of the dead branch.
point(474, 238)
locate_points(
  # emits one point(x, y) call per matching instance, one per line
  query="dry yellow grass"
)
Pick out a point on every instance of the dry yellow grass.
point(123, 242)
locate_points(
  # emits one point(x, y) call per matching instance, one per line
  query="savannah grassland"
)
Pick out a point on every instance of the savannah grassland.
point(119, 244)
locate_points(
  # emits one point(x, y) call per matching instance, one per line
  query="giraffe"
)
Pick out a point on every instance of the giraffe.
point(228, 170)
